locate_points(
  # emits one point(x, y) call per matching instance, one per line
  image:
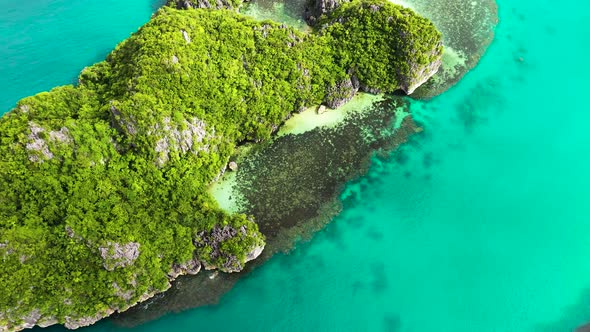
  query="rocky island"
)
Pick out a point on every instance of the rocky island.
point(104, 184)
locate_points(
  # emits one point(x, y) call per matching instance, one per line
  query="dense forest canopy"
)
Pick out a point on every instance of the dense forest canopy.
point(103, 185)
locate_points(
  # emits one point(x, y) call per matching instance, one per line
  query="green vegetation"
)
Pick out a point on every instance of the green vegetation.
point(368, 37)
point(103, 185)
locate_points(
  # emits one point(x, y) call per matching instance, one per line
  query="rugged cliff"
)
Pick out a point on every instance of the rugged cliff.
point(402, 47)
point(206, 4)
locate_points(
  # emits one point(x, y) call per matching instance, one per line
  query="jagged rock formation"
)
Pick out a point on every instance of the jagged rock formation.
point(191, 267)
point(412, 55)
point(214, 4)
point(342, 92)
point(184, 137)
point(116, 255)
point(38, 144)
point(314, 9)
point(36, 317)
point(220, 258)
point(420, 72)
point(417, 73)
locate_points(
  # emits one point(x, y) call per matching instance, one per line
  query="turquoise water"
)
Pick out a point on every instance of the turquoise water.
point(45, 43)
point(482, 224)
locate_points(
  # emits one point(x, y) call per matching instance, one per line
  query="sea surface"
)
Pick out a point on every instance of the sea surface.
point(480, 224)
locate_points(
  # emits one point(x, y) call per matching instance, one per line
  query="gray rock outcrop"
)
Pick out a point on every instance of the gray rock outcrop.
point(116, 255)
point(314, 9)
point(191, 267)
point(39, 139)
point(215, 4)
point(342, 92)
point(124, 125)
point(183, 137)
point(420, 74)
point(214, 240)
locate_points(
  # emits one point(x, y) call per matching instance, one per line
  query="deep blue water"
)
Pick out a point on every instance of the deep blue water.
point(482, 224)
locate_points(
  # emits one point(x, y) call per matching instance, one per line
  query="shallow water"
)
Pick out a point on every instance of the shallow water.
point(287, 12)
point(225, 191)
point(481, 224)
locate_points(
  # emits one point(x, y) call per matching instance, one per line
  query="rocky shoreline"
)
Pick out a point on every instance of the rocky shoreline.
point(477, 23)
point(313, 175)
point(358, 137)
point(123, 254)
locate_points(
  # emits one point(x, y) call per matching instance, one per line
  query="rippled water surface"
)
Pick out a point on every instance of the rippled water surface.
point(480, 224)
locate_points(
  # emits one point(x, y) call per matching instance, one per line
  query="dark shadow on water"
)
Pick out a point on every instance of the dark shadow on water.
point(428, 160)
point(478, 106)
point(574, 318)
point(392, 323)
point(353, 221)
point(380, 282)
point(356, 287)
point(401, 156)
point(375, 235)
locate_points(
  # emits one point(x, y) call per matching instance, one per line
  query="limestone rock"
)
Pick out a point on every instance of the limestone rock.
point(183, 137)
point(341, 93)
point(214, 240)
point(116, 255)
point(37, 145)
point(47, 321)
point(123, 124)
point(368, 89)
point(190, 4)
point(420, 73)
point(252, 255)
point(186, 37)
point(39, 138)
point(314, 9)
point(73, 323)
point(31, 319)
point(123, 294)
point(191, 267)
